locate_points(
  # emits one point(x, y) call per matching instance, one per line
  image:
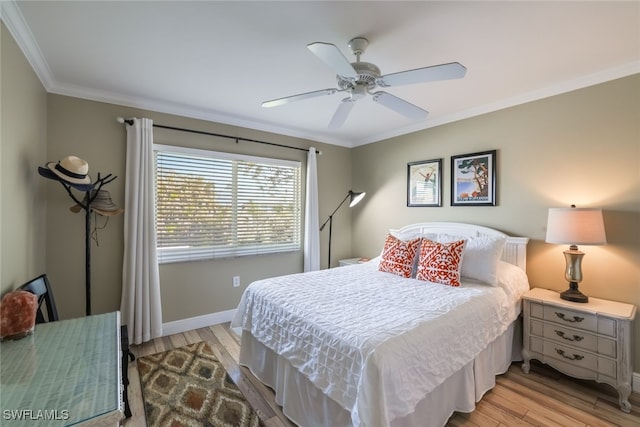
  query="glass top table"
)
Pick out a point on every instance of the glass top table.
point(66, 373)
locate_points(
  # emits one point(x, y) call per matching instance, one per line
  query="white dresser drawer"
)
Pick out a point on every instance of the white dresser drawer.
point(579, 358)
point(574, 337)
point(575, 319)
point(575, 361)
point(570, 355)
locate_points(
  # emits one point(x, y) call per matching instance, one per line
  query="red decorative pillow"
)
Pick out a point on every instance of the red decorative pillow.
point(440, 262)
point(398, 256)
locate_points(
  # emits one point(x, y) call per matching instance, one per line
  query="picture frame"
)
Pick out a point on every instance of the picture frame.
point(473, 179)
point(424, 183)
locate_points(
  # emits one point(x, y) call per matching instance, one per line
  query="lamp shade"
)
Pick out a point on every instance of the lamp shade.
point(356, 198)
point(575, 226)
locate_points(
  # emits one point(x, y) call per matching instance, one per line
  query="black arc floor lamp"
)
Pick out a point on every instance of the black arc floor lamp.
point(355, 199)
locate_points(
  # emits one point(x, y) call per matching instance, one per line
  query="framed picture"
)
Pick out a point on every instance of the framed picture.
point(473, 179)
point(424, 183)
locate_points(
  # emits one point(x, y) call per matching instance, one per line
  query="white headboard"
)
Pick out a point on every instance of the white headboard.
point(515, 250)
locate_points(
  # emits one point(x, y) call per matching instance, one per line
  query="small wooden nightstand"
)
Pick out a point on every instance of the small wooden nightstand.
point(585, 340)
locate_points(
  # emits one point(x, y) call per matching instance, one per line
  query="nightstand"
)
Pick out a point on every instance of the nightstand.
point(585, 340)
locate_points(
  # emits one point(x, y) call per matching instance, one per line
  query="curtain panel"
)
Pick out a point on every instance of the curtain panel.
point(311, 220)
point(140, 305)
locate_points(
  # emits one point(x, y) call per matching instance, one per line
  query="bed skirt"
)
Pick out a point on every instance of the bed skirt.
point(307, 406)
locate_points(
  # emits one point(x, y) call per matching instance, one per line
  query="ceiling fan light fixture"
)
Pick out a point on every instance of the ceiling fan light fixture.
point(361, 78)
point(359, 91)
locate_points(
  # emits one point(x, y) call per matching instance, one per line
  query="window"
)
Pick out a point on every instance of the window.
point(215, 205)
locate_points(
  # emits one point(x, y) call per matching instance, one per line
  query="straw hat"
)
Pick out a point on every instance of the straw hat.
point(71, 170)
point(102, 204)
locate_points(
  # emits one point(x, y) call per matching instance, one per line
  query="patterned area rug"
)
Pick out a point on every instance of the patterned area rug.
point(188, 386)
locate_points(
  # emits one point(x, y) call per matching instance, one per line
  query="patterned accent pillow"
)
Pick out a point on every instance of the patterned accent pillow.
point(440, 262)
point(398, 256)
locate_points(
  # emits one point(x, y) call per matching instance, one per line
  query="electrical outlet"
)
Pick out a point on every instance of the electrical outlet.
point(236, 281)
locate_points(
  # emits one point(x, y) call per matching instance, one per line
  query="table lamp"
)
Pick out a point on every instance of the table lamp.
point(575, 226)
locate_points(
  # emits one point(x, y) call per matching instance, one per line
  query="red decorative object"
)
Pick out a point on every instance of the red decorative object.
point(440, 262)
point(398, 257)
point(17, 314)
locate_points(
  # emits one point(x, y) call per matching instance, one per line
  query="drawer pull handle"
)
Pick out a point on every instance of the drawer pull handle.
point(576, 319)
point(574, 357)
point(571, 338)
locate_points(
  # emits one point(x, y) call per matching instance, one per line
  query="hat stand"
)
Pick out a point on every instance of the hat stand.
point(87, 240)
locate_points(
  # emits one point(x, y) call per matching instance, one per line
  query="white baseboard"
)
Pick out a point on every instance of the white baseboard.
point(192, 323)
point(635, 382)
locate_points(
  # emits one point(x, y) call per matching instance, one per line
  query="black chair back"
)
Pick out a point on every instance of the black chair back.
point(42, 289)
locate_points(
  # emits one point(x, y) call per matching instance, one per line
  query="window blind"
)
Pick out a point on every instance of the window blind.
point(215, 205)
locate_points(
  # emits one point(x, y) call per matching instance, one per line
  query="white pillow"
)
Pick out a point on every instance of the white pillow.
point(512, 279)
point(410, 235)
point(481, 256)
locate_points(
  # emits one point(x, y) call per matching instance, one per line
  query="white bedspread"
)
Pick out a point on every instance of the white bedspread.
point(374, 342)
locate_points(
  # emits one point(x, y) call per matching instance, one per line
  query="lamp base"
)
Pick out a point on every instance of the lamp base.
point(573, 294)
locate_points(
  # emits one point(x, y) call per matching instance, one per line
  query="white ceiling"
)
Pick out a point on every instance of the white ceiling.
point(218, 60)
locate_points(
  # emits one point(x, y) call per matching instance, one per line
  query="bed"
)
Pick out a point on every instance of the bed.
point(380, 344)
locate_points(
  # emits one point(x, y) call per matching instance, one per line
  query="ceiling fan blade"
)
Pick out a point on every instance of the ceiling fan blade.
point(299, 97)
point(332, 56)
point(453, 70)
point(400, 105)
point(341, 114)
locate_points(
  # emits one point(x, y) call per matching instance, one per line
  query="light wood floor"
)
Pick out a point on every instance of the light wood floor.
point(543, 397)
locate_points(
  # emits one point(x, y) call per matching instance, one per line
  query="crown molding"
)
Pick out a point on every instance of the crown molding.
point(218, 117)
point(17, 26)
point(557, 89)
point(183, 110)
point(195, 113)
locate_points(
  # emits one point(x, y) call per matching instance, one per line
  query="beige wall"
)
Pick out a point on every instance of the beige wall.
point(581, 147)
point(89, 130)
point(22, 148)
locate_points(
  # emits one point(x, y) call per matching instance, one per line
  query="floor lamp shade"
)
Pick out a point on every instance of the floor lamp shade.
point(355, 199)
point(575, 226)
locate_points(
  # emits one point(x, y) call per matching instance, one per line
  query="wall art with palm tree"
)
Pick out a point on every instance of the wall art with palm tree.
point(473, 179)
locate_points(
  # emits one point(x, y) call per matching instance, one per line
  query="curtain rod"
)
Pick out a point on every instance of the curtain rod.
point(236, 138)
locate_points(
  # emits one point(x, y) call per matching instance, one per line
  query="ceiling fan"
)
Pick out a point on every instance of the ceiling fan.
point(359, 79)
